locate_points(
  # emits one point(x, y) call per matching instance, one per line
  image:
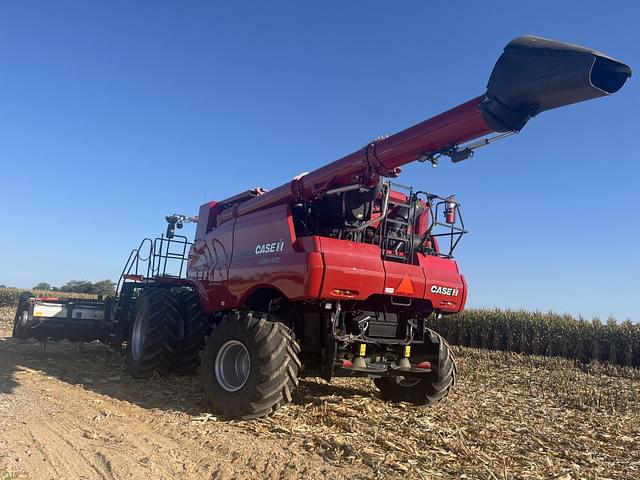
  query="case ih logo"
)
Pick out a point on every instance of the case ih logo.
point(452, 292)
point(273, 247)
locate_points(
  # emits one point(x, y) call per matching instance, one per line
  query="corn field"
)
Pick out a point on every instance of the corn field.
point(9, 296)
point(547, 334)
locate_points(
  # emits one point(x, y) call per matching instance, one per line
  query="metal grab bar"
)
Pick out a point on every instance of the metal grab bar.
point(134, 259)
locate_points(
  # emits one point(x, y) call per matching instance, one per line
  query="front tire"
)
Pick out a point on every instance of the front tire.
point(427, 389)
point(154, 337)
point(249, 365)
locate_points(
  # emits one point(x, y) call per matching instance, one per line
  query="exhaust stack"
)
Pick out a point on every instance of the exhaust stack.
point(535, 74)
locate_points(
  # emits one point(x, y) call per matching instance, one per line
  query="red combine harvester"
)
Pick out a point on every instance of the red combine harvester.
point(334, 273)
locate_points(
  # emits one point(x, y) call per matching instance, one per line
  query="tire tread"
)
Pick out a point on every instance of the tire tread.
point(276, 376)
point(162, 341)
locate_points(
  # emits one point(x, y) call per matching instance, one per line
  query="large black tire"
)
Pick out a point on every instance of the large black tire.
point(430, 388)
point(23, 304)
point(269, 375)
point(154, 337)
point(196, 327)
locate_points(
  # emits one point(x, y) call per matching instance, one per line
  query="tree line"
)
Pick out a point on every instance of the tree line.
point(102, 287)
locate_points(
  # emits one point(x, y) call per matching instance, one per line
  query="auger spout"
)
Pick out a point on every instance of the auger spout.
point(535, 74)
point(532, 75)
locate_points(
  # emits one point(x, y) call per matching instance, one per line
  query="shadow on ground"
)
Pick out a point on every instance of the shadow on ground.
point(7, 369)
point(84, 364)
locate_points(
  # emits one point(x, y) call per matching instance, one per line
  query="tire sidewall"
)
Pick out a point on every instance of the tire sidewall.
point(230, 331)
point(19, 331)
point(140, 313)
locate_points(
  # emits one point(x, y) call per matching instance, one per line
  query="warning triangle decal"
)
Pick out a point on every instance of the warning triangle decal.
point(405, 286)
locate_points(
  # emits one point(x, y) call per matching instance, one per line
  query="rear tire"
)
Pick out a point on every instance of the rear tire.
point(430, 388)
point(154, 337)
point(249, 365)
point(196, 327)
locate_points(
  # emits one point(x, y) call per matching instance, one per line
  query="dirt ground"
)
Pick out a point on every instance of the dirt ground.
point(65, 414)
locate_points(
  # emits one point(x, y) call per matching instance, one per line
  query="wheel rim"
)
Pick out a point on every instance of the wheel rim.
point(137, 336)
point(232, 366)
point(407, 382)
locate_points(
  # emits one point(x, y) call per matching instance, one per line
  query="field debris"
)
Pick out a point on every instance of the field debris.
point(527, 416)
point(511, 416)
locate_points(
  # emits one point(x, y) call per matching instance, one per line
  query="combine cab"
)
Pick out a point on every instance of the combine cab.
point(334, 273)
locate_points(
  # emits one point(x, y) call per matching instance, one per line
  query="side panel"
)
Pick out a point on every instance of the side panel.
point(75, 320)
point(445, 286)
point(60, 310)
point(404, 280)
point(209, 261)
point(351, 266)
point(264, 255)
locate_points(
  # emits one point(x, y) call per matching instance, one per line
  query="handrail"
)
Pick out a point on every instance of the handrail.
point(134, 259)
point(157, 259)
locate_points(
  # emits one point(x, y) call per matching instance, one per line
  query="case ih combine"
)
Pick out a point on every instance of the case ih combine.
point(331, 274)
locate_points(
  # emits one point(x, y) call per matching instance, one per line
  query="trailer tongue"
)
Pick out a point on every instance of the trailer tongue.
point(331, 274)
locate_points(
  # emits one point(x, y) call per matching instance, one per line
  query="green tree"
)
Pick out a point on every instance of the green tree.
point(42, 286)
point(104, 287)
point(78, 286)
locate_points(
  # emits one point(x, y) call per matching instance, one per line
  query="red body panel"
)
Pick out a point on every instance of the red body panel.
point(283, 269)
point(351, 266)
point(404, 280)
point(260, 250)
point(443, 272)
point(208, 268)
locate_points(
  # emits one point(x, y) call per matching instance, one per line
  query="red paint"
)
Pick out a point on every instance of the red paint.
point(134, 278)
point(248, 242)
point(226, 269)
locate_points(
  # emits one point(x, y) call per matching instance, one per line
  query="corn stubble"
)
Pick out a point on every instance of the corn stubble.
point(511, 416)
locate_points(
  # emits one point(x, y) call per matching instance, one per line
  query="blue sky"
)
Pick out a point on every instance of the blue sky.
point(113, 114)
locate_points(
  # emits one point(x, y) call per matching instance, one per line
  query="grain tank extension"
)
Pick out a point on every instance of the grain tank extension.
point(333, 273)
